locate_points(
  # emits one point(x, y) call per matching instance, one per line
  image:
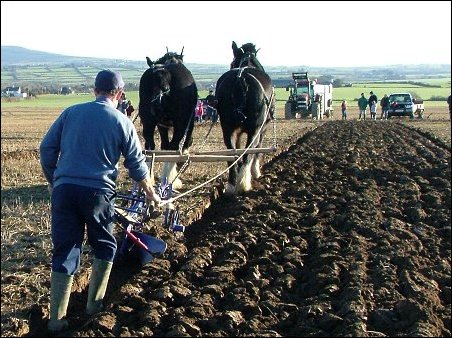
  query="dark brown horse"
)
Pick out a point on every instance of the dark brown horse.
point(168, 96)
point(246, 104)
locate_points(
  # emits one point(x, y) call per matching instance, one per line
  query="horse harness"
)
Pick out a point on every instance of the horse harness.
point(159, 96)
point(268, 101)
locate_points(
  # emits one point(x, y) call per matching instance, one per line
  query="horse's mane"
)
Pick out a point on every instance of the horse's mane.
point(168, 58)
point(250, 50)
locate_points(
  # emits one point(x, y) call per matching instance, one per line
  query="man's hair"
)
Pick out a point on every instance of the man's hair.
point(108, 82)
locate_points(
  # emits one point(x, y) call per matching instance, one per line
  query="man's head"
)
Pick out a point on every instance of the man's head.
point(371, 93)
point(362, 94)
point(211, 91)
point(108, 82)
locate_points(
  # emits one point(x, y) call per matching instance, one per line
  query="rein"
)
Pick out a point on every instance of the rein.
point(160, 95)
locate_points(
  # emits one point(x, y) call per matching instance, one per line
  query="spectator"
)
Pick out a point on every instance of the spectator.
point(95, 134)
point(122, 103)
point(372, 98)
point(362, 105)
point(199, 111)
point(130, 109)
point(344, 110)
point(373, 110)
point(211, 113)
point(384, 107)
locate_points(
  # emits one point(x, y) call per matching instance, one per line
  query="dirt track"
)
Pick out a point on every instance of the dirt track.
point(347, 233)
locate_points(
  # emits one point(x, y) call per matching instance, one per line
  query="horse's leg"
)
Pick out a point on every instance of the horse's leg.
point(164, 139)
point(148, 135)
point(149, 144)
point(229, 139)
point(255, 165)
point(169, 169)
point(244, 175)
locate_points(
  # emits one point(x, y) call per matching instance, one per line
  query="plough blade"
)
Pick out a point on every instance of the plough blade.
point(137, 245)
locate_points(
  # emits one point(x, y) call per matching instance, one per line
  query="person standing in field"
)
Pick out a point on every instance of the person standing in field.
point(373, 110)
point(79, 157)
point(344, 110)
point(372, 98)
point(130, 109)
point(211, 104)
point(384, 107)
point(199, 111)
point(122, 103)
point(362, 105)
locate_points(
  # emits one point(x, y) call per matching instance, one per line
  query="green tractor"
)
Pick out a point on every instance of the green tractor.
point(308, 99)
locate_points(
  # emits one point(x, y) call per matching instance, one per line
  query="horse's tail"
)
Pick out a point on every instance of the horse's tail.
point(238, 98)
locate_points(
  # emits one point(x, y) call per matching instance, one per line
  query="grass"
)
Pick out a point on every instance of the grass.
point(339, 94)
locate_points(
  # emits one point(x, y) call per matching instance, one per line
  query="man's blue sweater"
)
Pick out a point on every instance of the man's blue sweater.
point(84, 144)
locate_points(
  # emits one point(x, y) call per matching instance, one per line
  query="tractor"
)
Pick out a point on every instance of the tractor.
point(308, 99)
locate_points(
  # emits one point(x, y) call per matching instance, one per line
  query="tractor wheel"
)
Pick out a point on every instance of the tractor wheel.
point(288, 111)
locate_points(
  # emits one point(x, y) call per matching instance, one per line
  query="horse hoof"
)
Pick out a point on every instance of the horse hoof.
point(229, 189)
point(177, 184)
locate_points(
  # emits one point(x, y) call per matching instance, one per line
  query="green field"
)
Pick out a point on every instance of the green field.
point(344, 93)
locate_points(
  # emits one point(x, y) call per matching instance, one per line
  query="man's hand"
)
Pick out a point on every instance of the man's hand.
point(146, 185)
point(153, 196)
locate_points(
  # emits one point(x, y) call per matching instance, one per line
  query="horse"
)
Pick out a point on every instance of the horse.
point(167, 99)
point(245, 105)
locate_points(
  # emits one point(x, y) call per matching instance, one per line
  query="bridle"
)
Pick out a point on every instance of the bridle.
point(158, 97)
point(246, 60)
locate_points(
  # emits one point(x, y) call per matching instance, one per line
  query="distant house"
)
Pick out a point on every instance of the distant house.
point(13, 92)
point(66, 91)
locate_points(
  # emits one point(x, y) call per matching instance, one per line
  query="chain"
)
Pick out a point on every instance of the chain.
point(274, 133)
point(207, 135)
point(181, 144)
point(182, 169)
point(272, 98)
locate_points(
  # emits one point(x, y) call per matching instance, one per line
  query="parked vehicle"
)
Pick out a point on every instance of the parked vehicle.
point(404, 104)
point(307, 98)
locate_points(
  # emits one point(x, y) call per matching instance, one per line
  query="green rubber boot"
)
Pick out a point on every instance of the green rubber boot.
point(98, 285)
point(60, 292)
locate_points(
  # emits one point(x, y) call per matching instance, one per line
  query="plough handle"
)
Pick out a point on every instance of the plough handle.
point(137, 241)
point(131, 198)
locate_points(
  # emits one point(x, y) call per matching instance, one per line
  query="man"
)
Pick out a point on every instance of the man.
point(385, 107)
point(211, 104)
point(362, 105)
point(372, 99)
point(79, 158)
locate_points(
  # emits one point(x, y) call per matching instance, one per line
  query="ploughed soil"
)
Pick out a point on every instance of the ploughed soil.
point(346, 233)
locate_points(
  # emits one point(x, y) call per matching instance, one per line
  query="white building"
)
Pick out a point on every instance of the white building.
point(13, 92)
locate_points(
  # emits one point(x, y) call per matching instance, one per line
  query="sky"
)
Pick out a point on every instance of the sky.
point(287, 33)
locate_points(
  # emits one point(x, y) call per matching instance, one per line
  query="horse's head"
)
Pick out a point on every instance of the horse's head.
point(245, 56)
point(158, 85)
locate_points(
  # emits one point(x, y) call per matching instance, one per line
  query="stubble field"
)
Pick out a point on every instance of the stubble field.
point(346, 233)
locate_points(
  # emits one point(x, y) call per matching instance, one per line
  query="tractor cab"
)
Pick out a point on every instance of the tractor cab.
point(301, 93)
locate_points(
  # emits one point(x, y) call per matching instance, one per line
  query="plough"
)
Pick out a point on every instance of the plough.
point(135, 210)
point(132, 211)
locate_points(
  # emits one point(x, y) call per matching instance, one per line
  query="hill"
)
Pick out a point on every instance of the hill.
point(35, 69)
point(19, 56)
